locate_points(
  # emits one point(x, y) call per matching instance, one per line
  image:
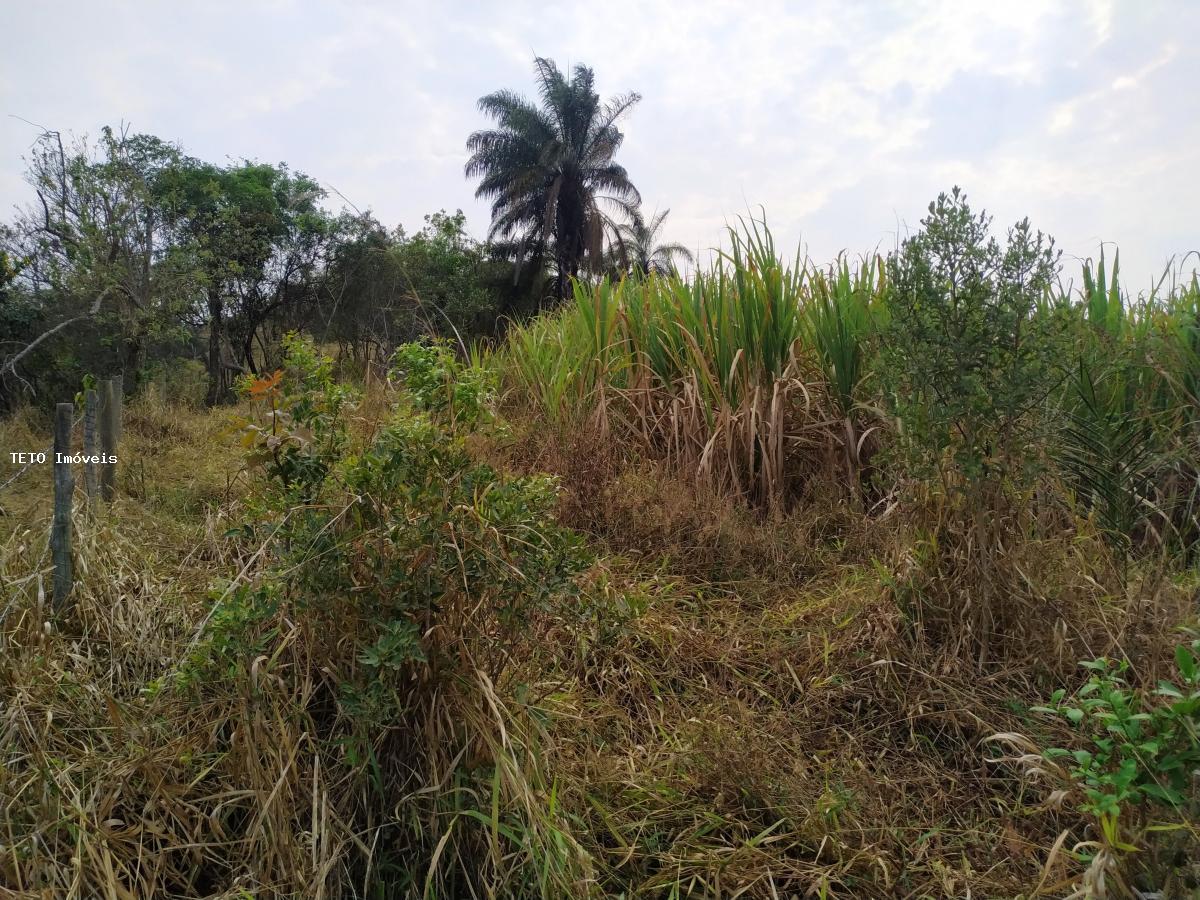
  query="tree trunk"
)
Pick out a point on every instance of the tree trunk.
point(132, 363)
point(248, 352)
point(560, 292)
point(216, 373)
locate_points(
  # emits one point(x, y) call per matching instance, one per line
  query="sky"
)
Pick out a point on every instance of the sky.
point(841, 120)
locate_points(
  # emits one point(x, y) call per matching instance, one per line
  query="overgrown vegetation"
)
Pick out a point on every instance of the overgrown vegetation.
point(763, 580)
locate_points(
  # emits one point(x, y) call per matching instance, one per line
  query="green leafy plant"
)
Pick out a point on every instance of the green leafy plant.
point(971, 355)
point(304, 431)
point(1139, 752)
point(1107, 449)
point(398, 645)
point(438, 383)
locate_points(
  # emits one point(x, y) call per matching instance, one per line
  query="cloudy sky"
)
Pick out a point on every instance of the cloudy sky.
point(842, 119)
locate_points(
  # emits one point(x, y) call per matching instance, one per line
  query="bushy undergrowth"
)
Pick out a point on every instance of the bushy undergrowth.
point(746, 672)
point(417, 568)
point(960, 378)
point(815, 544)
point(333, 726)
point(1012, 460)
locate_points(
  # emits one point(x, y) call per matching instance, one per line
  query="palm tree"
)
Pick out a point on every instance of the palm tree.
point(547, 168)
point(636, 248)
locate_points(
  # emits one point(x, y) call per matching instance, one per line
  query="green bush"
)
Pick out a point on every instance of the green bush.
point(974, 344)
point(1139, 753)
point(1127, 443)
point(409, 518)
point(413, 568)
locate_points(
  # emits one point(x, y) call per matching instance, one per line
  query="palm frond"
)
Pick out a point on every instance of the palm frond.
point(548, 166)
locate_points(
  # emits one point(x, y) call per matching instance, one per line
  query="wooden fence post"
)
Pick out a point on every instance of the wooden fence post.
point(91, 405)
point(110, 412)
point(64, 486)
point(119, 393)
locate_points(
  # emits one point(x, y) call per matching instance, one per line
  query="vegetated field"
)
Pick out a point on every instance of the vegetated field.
point(771, 581)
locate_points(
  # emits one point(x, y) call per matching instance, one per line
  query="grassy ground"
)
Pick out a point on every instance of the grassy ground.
point(92, 762)
point(735, 705)
point(752, 712)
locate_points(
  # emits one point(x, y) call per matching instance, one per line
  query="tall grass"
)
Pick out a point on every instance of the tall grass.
point(841, 319)
point(1129, 445)
point(728, 731)
point(755, 375)
point(719, 372)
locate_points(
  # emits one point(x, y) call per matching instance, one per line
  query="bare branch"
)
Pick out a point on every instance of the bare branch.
point(11, 364)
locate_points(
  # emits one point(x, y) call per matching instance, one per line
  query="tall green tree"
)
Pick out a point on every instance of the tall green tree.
point(272, 297)
point(974, 345)
point(98, 267)
point(227, 220)
point(441, 270)
point(360, 289)
point(548, 167)
point(383, 288)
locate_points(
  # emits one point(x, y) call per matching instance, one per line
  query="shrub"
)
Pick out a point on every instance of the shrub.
point(1127, 446)
point(971, 354)
point(973, 346)
point(1106, 445)
point(415, 569)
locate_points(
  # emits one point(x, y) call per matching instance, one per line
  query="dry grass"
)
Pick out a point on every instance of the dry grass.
point(97, 773)
point(746, 709)
point(121, 780)
point(736, 706)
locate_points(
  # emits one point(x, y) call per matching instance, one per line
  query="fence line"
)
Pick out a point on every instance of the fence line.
point(102, 483)
point(110, 433)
